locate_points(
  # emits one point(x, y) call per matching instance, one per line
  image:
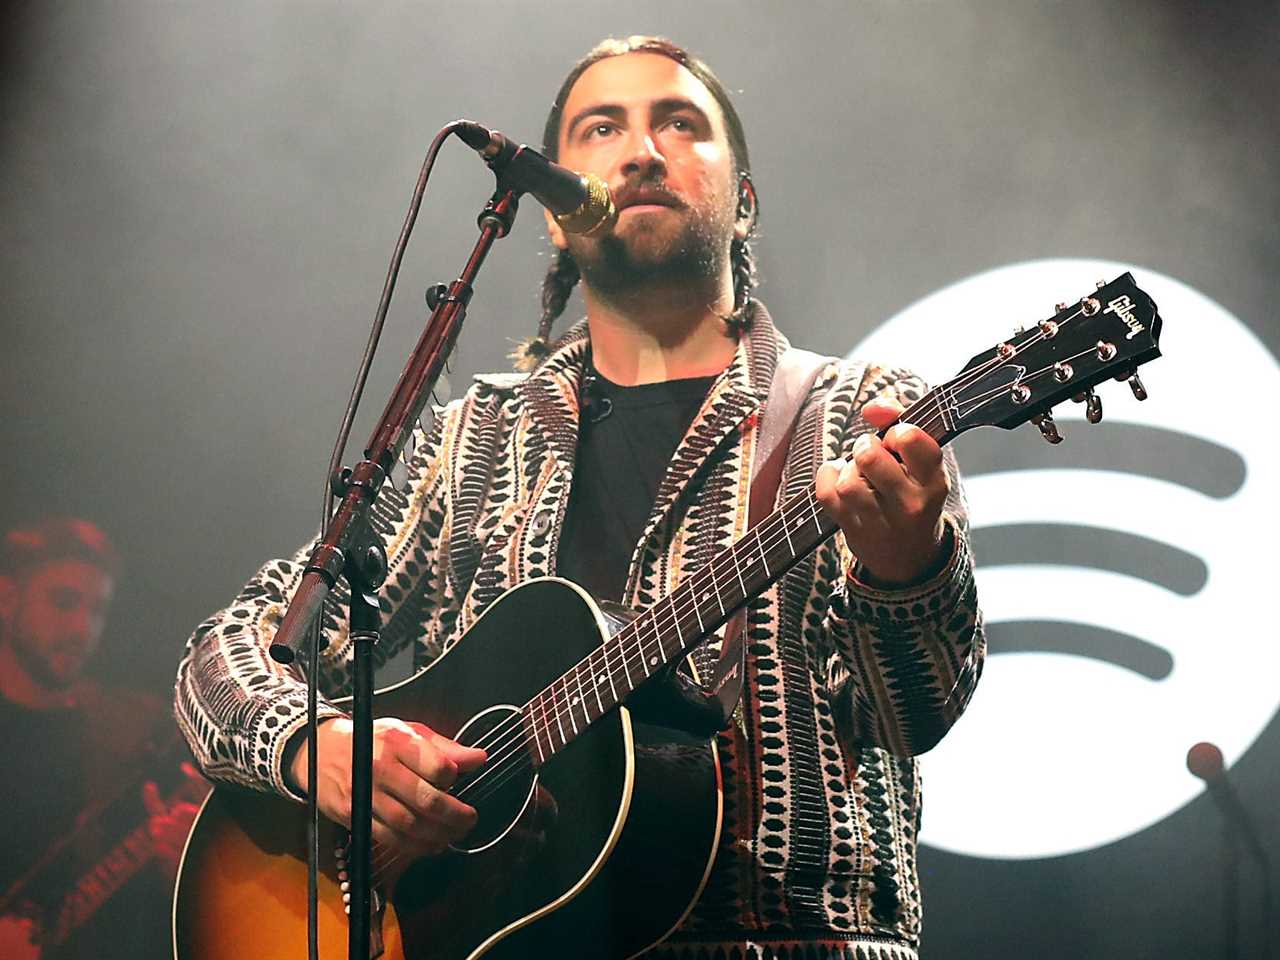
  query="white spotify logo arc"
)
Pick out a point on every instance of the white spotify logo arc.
point(1060, 753)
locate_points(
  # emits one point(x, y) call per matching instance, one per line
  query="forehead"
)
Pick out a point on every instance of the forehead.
point(76, 575)
point(636, 80)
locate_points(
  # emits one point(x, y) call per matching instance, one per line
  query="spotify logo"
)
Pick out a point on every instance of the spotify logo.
point(1127, 575)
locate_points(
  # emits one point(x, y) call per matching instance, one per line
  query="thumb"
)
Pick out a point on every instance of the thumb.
point(881, 412)
point(467, 758)
point(152, 800)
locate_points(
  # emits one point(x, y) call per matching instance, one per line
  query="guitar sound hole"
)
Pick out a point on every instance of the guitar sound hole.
point(501, 789)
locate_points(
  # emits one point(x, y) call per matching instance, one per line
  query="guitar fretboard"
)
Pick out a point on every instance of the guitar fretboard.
point(681, 620)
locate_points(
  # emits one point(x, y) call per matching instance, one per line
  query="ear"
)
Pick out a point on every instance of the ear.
point(554, 231)
point(746, 216)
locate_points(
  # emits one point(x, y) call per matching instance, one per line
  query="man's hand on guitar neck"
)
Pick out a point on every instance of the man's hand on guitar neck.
point(888, 499)
point(413, 769)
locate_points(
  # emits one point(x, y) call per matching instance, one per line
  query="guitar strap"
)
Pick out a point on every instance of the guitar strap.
point(793, 383)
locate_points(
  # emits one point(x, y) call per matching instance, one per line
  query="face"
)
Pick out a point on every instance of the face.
point(655, 134)
point(54, 618)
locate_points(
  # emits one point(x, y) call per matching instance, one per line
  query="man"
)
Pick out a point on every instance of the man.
point(73, 763)
point(622, 461)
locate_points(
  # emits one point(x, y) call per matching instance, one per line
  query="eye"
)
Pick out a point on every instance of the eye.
point(682, 124)
point(64, 600)
point(601, 128)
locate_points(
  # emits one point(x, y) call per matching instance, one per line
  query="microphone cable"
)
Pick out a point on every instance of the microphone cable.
point(335, 463)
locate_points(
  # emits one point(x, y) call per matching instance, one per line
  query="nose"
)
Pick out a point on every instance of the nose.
point(643, 156)
point(83, 624)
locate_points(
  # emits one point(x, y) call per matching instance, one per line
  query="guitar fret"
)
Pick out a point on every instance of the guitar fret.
point(644, 657)
point(625, 669)
point(580, 699)
point(527, 715)
point(609, 672)
point(786, 532)
point(671, 602)
point(596, 680)
point(546, 723)
point(737, 569)
point(563, 739)
point(697, 613)
point(813, 505)
point(947, 406)
point(540, 725)
point(715, 586)
point(764, 560)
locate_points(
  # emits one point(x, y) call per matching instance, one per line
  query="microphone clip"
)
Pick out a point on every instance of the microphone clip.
point(595, 405)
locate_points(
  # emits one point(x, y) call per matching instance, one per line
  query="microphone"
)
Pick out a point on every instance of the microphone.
point(580, 202)
point(1204, 760)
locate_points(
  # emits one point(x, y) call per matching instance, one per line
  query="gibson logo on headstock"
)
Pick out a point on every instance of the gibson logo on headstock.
point(1122, 307)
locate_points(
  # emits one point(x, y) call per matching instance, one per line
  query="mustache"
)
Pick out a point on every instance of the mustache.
point(634, 192)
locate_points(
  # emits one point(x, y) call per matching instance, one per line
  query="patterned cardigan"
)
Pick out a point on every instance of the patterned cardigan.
point(845, 683)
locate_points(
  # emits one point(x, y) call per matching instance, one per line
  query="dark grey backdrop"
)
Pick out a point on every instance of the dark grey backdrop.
point(199, 202)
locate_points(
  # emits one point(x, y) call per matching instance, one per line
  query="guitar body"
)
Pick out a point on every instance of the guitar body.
point(600, 852)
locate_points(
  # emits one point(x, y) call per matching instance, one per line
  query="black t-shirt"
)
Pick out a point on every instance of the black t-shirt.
point(44, 759)
point(626, 441)
point(54, 764)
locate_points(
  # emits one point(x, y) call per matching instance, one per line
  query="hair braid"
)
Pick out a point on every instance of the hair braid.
point(557, 286)
point(743, 264)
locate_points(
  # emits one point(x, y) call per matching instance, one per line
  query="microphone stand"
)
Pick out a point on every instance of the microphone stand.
point(350, 548)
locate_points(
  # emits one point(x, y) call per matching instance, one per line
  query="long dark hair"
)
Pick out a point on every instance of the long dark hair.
point(563, 275)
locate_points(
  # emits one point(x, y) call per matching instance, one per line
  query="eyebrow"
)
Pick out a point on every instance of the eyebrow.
point(614, 111)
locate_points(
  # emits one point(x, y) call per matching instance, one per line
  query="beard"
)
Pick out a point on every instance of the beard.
point(682, 248)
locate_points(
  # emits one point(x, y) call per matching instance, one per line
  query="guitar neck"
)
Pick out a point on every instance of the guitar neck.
point(1015, 382)
point(120, 865)
point(97, 885)
point(684, 618)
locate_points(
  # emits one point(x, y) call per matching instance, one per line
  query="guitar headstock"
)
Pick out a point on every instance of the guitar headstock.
point(1106, 334)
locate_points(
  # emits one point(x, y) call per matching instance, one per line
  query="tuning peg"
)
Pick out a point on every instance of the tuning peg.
point(1059, 307)
point(1136, 386)
point(1092, 407)
point(1048, 429)
point(1100, 283)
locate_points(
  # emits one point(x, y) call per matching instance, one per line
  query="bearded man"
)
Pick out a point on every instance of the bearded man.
point(87, 863)
point(621, 460)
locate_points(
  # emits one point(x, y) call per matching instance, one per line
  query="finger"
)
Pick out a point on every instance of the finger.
point(858, 500)
point(436, 814)
point(191, 773)
point(881, 471)
point(184, 811)
point(427, 801)
point(466, 758)
point(824, 485)
point(419, 752)
point(389, 838)
point(919, 452)
point(152, 801)
point(881, 412)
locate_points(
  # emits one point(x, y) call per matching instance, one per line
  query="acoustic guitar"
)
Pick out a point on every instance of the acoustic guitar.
point(596, 833)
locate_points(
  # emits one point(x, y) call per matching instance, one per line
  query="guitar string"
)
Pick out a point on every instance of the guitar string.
point(511, 755)
point(504, 730)
point(487, 740)
point(661, 620)
point(511, 728)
